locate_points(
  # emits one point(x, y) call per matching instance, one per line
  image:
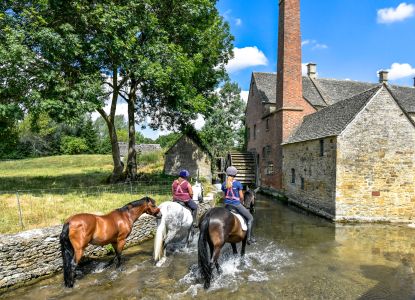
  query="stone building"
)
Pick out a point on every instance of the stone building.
point(189, 153)
point(343, 149)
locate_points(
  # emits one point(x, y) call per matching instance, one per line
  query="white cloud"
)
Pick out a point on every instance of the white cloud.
point(398, 71)
point(319, 46)
point(305, 42)
point(238, 22)
point(122, 109)
point(304, 69)
point(199, 122)
point(245, 58)
point(244, 96)
point(400, 13)
point(314, 44)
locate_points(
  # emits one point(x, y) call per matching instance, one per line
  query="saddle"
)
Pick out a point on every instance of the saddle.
point(183, 204)
point(239, 216)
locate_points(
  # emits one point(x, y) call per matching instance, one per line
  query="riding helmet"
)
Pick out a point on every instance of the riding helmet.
point(231, 171)
point(184, 173)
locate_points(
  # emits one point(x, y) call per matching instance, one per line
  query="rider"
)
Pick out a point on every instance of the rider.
point(234, 198)
point(182, 192)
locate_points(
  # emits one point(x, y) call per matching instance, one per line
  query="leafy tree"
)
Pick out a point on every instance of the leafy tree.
point(224, 128)
point(166, 141)
point(163, 57)
point(73, 145)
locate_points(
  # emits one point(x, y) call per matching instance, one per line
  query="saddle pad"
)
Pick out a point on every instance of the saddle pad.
point(242, 220)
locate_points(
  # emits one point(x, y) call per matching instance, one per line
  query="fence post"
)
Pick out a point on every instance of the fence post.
point(131, 188)
point(20, 210)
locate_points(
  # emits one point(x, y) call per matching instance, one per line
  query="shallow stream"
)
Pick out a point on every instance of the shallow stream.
point(298, 256)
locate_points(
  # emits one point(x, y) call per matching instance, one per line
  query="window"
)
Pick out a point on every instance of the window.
point(321, 147)
point(268, 151)
point(270, 168)
point(267, 124)
point(292, 175)
point(302, 183)
point(255, 132)
point(248, 133)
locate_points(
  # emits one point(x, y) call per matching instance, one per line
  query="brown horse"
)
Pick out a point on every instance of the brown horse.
point(113, 228)
point(220, 226)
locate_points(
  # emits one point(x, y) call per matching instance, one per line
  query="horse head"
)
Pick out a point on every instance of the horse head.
point(151, 208)
point(249, 200)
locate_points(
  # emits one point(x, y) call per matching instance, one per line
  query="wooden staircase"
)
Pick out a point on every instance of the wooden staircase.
point(246, 165)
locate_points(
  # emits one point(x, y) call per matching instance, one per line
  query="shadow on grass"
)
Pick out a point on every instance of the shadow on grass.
point(71, 182)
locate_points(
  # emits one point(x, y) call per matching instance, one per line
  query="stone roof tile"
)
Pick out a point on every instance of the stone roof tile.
point(330, 121)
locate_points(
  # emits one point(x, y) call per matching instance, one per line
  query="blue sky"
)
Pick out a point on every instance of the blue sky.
point(348, 39)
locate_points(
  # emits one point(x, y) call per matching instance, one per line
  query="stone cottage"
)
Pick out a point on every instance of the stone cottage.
point(341, 148)
point(189, 153)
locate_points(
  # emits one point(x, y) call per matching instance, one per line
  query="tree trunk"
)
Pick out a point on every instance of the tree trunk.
point(117, 172)
point(131, 170)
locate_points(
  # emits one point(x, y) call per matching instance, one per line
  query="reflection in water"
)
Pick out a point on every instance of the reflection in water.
point(298, 256)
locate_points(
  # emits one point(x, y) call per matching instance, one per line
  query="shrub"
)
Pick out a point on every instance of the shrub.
point(73, 145)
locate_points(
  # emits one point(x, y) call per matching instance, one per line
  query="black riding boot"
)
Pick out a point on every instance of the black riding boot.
point(250, 239)
point(194, 215)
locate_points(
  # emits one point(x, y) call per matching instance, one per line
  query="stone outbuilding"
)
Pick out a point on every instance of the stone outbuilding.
point(354, 160)
point(189, 153)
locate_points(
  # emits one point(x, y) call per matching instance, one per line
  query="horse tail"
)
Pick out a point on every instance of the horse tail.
point(67, 256)
point(159, 238)
point(203, 255)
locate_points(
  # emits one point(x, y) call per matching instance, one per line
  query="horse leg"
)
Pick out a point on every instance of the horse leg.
point(118, 249)
point(235, 251)
point(243, 246)
point(215, 257)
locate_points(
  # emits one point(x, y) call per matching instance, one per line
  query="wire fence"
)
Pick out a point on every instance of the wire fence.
point(28, 209)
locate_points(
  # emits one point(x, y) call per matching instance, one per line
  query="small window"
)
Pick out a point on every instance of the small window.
point(267, 124)
point(321, 147)
point(264, 153)
point(292, 175)
point(270, 169)
point(248, 133)
point(302, 183)
point(254, 132)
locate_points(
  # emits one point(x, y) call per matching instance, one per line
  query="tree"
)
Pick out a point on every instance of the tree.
point(224, 128)
point(163, 57)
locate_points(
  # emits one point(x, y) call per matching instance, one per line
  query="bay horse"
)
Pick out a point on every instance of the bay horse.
point(175, 225)
point(113, 228)
point(220, 226)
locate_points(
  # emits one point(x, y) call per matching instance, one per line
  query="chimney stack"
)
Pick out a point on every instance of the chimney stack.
point(312, 70)
point(383, 76)
point(289, 77)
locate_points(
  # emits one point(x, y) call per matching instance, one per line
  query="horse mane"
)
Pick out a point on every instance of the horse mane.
point(136, 203)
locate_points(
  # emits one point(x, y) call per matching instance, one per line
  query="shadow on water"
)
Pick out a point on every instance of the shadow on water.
point(298, 256)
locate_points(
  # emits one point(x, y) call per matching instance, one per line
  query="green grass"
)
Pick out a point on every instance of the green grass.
point(50, 189)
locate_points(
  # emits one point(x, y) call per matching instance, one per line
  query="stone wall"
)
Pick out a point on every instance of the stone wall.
point(186, 154)
point(140, 148)
point(35, 253)
point(376, 160)
point(318, 173)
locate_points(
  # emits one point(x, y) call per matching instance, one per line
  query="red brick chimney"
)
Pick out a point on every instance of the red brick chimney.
point(291, 107)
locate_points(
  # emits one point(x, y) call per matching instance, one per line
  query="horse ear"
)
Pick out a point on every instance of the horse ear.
point(247, 188)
